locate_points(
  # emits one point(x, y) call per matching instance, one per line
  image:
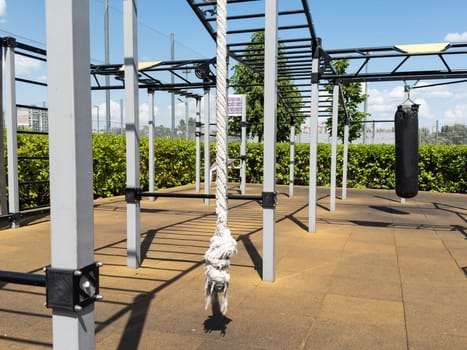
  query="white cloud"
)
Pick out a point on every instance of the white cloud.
point(397, 93)
point(456, 37)
point(26, 66)
point(144, 114)
point(456, 114)
point(2, 8)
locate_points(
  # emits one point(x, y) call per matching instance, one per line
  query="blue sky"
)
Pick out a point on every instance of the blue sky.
point(340, 24)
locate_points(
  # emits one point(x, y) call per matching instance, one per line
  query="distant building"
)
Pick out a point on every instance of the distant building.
point(33, 119)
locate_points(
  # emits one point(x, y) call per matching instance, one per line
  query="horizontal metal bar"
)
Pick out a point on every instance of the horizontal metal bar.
point(32, 107)
point(19, 131)
point(31, 81)
point(33, 157)
point(199, 195)
point(33, 182)
point(29, 279)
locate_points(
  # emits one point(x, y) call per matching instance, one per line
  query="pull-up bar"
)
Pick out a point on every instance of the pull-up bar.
point(267, 199)
point(29, 279)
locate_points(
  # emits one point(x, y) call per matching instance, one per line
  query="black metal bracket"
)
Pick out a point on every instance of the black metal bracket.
point(14, 217)
point(9, 41)
point(269, 200)
point(71, 290)
point(244, 124)
point(132, 195)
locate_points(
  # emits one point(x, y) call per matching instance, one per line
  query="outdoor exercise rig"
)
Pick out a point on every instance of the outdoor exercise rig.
point(72, 227)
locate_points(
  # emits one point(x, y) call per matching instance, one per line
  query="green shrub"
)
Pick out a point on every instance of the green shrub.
point(442, 168)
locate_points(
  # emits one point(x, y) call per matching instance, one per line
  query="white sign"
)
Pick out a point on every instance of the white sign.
point(236, 104)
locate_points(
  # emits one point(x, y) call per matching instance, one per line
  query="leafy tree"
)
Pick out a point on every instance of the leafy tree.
point(353, 97)
point(250, 82)
point(181, 128)
point(448, 135)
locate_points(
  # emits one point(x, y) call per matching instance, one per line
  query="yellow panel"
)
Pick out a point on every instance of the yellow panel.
point(422, 48)
point(143, 65)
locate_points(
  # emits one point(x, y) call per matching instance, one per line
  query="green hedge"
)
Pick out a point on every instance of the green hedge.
point(442, 168)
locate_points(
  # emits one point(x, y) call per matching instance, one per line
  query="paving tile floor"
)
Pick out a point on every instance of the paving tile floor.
point(377, 274)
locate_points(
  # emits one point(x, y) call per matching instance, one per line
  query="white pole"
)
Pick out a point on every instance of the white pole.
point(243, 148)
point(345, 161)
point(69, 94)
point(335, 115)
point(198, 144)
point(292, 159)
point(151, 143)
point(207, 155)
point(11, 128)
point(313, 142)
point(130, 46)
point(270, 118)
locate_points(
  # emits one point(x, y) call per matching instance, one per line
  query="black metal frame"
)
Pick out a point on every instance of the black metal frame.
point(66, 289)
point(297, 52)
point(267, 199)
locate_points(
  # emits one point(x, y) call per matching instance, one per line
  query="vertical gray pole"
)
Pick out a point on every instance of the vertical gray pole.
point(207, 155)
point(292, 159)
point(107, 61)
point(335, 115)
point(3, 201)
point(69, 94)
point(270, 107)
point(172, 81)
point(313, 141)
point(11, 119)
point(151, 142)
point(130, 47)
point(243, 148)
point(121, 116)
point(345, 160)
point(198, 144)
point(365, 107)
point(186, 119)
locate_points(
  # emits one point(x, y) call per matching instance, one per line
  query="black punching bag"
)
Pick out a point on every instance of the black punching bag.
point(406, 129)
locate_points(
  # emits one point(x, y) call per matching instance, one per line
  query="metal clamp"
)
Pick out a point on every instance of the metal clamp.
point(132, 195)
point(269, 200)
point(72, 290)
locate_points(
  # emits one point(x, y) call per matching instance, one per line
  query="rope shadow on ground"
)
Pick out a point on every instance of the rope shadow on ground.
point(217, 322)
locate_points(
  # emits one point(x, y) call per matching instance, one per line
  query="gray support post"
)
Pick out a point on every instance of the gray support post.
point(172, 94)
point(335, 114)
point(11, 124)
point(207, 155)
point(243, 148)
point(107, 61)
point(121, 116)
point(198, 144)
point(292, 159)
point(130, 46)
point(3, 198)
point(345, 160)
point(187, 137)
point(69, 94)
point(313, 141)
point(270, 108)
point(151, 143)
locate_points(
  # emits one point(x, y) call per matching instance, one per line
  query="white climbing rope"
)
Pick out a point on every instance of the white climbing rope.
point(222, 246)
